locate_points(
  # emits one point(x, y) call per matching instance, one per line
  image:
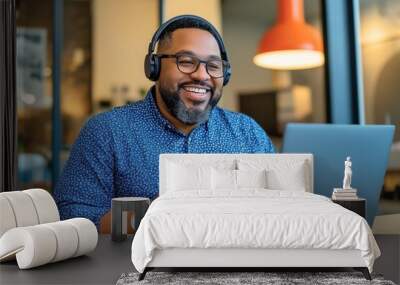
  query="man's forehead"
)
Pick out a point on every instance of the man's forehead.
point(197, 41)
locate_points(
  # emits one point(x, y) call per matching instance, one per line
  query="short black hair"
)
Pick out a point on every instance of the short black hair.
point(185, 23)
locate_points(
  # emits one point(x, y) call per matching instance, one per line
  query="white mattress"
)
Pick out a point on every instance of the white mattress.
point(252, 218)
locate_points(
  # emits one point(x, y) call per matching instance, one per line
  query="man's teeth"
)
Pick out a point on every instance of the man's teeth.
point(196, 90)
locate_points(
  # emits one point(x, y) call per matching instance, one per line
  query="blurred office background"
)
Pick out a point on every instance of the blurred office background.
point(102, 50)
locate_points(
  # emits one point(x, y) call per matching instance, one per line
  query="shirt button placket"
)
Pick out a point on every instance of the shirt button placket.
point(188, 143)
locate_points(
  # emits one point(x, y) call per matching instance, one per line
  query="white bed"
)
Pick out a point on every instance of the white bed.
point(203, 220)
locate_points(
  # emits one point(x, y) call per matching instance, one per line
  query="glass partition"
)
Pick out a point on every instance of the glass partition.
point(34, 98)
point(380, 40)
point(101, 68)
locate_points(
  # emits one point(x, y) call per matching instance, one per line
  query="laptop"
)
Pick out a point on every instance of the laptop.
point(367, 145)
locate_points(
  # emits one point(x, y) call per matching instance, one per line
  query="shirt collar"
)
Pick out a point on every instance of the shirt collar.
point(150, 101)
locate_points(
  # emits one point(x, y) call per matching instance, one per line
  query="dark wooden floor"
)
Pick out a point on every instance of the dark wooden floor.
point(389, 262)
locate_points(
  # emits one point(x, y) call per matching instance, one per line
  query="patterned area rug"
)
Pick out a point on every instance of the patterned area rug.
point(231, 278)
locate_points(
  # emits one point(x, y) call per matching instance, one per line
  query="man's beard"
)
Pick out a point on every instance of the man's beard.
point(178, 109)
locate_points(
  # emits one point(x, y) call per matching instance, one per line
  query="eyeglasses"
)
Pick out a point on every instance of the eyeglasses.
point(188, 64)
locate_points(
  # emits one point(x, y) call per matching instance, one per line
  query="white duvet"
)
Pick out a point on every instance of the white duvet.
point(251, 218)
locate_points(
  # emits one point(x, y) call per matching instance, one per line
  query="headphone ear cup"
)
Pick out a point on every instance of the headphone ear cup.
point(151, 67)
point(227, 75)
point(148, 66)
point(156, 67)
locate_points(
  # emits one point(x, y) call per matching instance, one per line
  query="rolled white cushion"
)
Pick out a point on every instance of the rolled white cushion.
point(40, 244)
point(67, 240)
point(45, 205)
point(23, 208)
point(33, 246)
point(7, 218)
point(87, 235)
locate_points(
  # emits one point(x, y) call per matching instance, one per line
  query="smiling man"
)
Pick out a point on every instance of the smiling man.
point(117, 152)
point(189, 87)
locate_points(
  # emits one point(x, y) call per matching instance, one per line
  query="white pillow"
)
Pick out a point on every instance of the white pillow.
point(291, 179)
point(237, 179)
point(184, 174)
point(223, 179)
point(221, 163)
point(251, 178)
point(182, 177)
point(281, 174)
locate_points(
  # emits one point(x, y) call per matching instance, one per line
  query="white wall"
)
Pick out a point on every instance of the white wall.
point(208, 9)
point(122, 30)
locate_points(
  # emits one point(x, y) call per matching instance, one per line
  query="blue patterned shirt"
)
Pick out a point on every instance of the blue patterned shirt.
point(116, 153)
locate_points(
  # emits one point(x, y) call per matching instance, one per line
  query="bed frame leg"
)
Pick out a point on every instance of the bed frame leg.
point(143, 274)
point(364, 271)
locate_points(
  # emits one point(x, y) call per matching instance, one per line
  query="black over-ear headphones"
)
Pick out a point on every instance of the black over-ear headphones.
point(152, 63)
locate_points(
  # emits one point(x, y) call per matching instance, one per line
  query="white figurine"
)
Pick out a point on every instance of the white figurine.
point(347, 174)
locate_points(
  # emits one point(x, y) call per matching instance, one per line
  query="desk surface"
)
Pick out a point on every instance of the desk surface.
point(110, 259)
point(102, 266)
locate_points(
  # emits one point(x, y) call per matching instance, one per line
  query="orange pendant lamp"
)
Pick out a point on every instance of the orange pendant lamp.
point(291, 43)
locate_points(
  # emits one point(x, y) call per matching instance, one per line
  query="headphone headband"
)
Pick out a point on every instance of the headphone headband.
point(161, 29)
point(152, 63)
